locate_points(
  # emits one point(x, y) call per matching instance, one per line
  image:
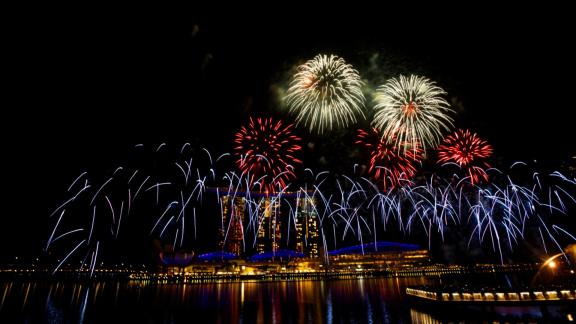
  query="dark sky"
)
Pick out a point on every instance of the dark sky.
point(84, 85)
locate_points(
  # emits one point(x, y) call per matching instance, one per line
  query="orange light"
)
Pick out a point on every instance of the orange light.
point(552, 264)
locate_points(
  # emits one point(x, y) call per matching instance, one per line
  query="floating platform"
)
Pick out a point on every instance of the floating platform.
point(492, 296)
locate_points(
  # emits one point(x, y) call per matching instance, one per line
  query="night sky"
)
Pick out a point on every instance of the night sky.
point(84, 87)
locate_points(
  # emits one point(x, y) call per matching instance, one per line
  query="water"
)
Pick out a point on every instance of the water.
point(338, 301)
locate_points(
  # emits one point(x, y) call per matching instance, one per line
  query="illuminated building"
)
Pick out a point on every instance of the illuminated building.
point(262, 215)
point(235, 214)
point(307, 235)
point(390, 258)
point(269, 230)
point(379, 255)
point(231, 232)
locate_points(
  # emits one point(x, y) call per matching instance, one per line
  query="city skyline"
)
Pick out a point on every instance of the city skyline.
point(341, 163)
point(177, 73)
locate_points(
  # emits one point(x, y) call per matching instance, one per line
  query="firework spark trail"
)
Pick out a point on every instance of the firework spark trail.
point(157, 187)
point(564, 231)
point(184, 173)
point(175, 238)
point(553, 239)
point(209, 156)
point(162, 216)
point(183, 147)
point(563, 177)
point(543, 241)
point(95, 258)
point(567, 194)
point(92, 224)
point(54, 230)
point(165, 226)
point(116, 171)
point(70, 200)
point(100, 189)
point(67, 256)
point(221, 156)
point(182, 233)
point(184, 204)
point(194, 215)
point(140, 188)
point(201, 187)
point(67, 233)
point(132, 177)
point(111, 209)
point(74, 182)
point(119, 218)
point(189, 167)
point(129, 200)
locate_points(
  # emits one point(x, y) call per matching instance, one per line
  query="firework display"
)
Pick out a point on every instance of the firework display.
point(265, 150)
point(468, 151)
point(412, 110)
point(389, 166)
point(496, 216)
point(259, 197)
point(325, 94)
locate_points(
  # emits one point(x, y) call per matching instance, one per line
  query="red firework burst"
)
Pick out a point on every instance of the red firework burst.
point(395, 167)
point(265, 150)
point(468, 151)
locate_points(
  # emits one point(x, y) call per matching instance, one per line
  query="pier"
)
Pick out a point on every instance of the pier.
point(493, 295)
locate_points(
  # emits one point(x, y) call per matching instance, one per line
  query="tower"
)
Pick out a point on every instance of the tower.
point(231, 232)
point(307, 235)
point(269, 225)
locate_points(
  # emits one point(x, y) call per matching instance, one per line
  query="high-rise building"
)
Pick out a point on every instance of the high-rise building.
point(263, 215)
point(257, 223)
point(269, 230)
point(231, 232)
point(307, 226)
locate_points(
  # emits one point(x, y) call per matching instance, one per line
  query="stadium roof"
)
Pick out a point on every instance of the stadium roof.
point(283, 254)
point(376, 247)
point(179, 259)
point(217, 256)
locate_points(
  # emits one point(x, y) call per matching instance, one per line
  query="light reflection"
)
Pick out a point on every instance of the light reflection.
point(242, 294)
point(83, 306)
point(117, 292)
point(26, 295)
point(329, 314)
point(418, 317)
point(7, 289)
point(376, 300)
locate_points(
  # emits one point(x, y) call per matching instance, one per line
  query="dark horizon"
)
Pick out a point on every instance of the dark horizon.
point(86, 88)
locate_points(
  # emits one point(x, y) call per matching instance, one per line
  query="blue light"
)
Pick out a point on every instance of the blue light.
point(376, 247)
point(280, 254)
point(217, 256)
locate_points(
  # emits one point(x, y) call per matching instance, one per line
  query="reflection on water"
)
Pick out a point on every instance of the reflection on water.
point(432, 314)
point(350, 301)
point(339, 301)
point(422, 318)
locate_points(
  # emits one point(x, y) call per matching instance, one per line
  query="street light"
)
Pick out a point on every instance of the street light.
point(550, 264)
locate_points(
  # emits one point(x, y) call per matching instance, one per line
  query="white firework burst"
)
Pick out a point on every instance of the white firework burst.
point(325, 93)
point(412, 110)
